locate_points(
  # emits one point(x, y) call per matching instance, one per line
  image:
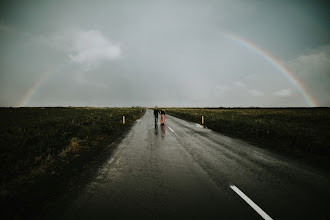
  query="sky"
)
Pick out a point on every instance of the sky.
point(174, 53)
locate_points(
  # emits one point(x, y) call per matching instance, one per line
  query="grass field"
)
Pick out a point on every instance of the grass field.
point(33, 139)
point(292, 129)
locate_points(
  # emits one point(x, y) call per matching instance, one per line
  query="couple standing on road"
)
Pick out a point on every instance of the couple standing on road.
point(162, 115)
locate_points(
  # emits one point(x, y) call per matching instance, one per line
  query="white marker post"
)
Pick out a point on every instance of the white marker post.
point(123, 119)
point(202, 119)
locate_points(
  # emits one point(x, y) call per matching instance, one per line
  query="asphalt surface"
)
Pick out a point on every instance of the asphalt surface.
point(183, 171)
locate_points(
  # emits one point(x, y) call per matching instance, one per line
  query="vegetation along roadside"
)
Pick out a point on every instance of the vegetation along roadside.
point(43, 149)
point(294, 130)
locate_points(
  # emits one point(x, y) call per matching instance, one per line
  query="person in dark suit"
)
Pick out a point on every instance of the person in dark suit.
point(156, 113)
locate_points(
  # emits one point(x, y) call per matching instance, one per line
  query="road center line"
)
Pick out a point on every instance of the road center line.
point(170, 129)
point(251, 203)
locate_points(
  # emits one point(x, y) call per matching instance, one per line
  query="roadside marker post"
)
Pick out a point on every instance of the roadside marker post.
point(202, 119)
point(123, 119)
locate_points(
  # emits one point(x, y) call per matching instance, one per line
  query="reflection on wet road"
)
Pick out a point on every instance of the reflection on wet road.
point(156, 129)
point(180, 170)
point(163, 131)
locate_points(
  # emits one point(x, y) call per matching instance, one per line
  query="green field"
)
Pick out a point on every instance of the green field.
point(286, 129)
point(34, 139)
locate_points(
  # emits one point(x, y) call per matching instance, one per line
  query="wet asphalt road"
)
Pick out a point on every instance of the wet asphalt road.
point(182, 171)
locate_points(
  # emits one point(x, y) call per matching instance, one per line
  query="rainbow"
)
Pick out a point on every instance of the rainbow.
point(31, 91)
point(309, 100)
point(36, 85)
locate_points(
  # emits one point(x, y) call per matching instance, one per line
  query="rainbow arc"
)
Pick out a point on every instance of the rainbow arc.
point(309, 100)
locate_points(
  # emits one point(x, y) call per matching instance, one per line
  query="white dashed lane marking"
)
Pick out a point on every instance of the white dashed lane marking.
point(251, 203)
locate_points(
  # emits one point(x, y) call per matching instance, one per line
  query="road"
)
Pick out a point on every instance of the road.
point(183, 171)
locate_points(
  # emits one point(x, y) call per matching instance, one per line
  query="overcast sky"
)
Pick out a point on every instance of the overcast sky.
point(166, 53)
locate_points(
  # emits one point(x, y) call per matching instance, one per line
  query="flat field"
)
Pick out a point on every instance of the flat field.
point(32, 140)
point(286, 129)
